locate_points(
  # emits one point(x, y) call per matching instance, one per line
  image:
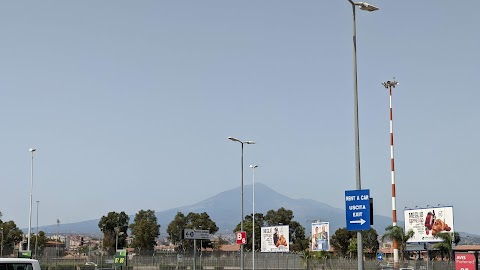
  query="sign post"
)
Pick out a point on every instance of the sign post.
point(120, 259)
point(193, 234)
point(357, 209)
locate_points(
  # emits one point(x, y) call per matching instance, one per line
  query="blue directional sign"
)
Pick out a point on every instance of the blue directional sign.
point(357, 209)
point(379, 256)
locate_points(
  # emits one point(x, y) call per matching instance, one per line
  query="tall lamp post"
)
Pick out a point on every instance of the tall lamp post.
point(389, 85)
point(241, 222)
point(1, 249)
point(36, 236)
point(253, 215)
point(58, 236)
point(32, 150)
point(367, 7)
point(117, 233)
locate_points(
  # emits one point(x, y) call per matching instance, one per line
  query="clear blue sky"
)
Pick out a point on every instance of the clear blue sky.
point(130, 103)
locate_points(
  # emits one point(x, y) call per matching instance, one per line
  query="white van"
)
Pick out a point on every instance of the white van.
point(18, 264)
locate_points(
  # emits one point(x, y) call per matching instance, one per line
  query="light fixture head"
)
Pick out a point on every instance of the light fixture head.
point(389, 84)
point(253, 166)
point(234, 139)
point(366, 6)
point(242, 142)
point(32, 149)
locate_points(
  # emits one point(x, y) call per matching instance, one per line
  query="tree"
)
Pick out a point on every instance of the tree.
point(282, 216)
point(175, 229)
point(145, 230)
point(446, 246)
point(370, 241)
point(396, 234)
point(297, 237)
point(197, 221)
point(114, 225)
point(456, 238)
point(352, 247)
point(344, 242)
point(12, 235)
point(83, 249)
point(247, 227)
point(40, 242)
point(341, 241)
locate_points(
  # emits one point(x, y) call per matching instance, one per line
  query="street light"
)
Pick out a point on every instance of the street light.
point(1, 248)
point(253, 215)
point(58, 236)
point(32, 150)
point(367, 7)
point(117, 233)
point(36, 237)
point(241, 222)
point(389, 85)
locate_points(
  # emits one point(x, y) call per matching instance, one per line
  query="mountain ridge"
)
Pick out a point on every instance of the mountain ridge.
point(223, 208)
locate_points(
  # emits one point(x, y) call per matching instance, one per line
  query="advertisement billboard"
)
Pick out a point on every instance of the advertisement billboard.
point(426, 223)
point(275, 239)
point(320, 236)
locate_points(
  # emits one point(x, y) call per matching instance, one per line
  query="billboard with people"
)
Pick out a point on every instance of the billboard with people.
point(426, 223)
point(320, 236)
point(275, 239)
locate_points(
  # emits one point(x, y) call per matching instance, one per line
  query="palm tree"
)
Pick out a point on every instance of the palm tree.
point(446, 246)
point(396, 234)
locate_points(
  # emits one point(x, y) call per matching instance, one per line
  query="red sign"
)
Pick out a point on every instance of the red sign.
point(241, 238)
point(464, 261)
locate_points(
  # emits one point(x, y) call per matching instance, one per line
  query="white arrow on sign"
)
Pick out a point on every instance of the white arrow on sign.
point(361, 221)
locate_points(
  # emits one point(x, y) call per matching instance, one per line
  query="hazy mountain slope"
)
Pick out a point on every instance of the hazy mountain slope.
point(224, 209)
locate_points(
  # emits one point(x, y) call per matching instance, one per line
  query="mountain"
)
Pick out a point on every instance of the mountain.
point(225, 209)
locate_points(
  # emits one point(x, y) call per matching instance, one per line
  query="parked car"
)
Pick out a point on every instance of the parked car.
point(19, 264)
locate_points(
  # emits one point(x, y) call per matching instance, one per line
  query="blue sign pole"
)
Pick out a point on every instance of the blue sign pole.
point(357, 209)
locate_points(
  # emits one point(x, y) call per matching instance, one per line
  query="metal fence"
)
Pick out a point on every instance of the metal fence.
point(231, 261)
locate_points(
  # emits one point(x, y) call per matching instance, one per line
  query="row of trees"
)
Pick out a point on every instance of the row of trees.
point(345, 242)
point(145, 231)
point(11, 235)
point(445, 247)
point(115, 226)
point(298, 239)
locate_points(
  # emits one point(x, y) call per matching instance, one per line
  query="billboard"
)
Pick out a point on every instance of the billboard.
point(428, 222)
point(320, 236)
point(275, 239)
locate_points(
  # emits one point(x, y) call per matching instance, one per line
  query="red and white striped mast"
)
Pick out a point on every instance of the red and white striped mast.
point(389, 85)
